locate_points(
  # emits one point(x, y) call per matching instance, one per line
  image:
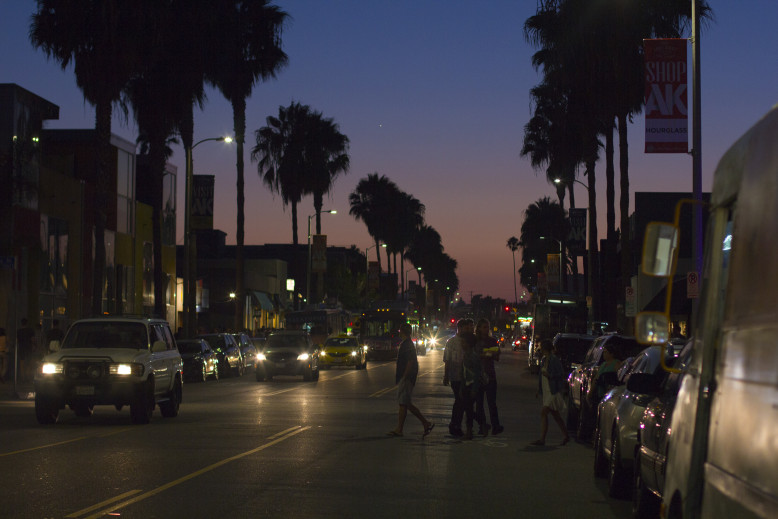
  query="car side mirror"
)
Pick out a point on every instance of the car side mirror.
point(643, 383)
point(652, 328)
point(158, 346)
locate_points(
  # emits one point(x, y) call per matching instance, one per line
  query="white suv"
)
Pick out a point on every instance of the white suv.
point(116, 361)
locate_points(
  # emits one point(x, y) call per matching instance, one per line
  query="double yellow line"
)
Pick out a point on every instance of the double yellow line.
point(108, 505)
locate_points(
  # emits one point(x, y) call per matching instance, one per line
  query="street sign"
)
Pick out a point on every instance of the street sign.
point(629, 302)
point(692, 285)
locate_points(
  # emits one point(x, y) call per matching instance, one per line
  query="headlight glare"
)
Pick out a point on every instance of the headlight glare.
point(353, 353)
point(51, 368)
point(261, 356)
point(124, 369)
point(303, 356)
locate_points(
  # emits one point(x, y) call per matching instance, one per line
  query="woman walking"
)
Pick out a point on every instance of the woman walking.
point(551, 379)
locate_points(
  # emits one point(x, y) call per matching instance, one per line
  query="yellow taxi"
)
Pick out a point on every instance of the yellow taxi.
point(343, 350)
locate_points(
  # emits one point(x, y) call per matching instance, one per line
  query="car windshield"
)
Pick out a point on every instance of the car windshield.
point(189, 346)
point(286, 341)
point(217, 342)
point(340, 342)
point(107, 335)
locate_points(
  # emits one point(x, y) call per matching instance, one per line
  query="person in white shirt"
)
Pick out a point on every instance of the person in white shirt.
point(452, 375)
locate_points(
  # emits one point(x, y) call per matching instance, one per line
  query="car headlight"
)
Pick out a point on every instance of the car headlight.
point(303, 356)
point(52, 368)
point(354, 353)
point(125, 369)
point(261, 356)
point(364, 347)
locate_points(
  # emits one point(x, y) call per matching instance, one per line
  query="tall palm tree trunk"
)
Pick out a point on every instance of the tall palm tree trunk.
point(626, 248)
point(591, 262)
point(239, 128)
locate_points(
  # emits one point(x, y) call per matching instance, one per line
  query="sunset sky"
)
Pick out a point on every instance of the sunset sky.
point(434, 95)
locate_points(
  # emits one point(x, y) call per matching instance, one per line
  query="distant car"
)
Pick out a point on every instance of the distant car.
point(227, 351)
point(654, 434)
point(343, 350)
point(247, 349)
point(114, 361)
point(618, 419)
point(288, 352)
point(581, 409)
point(200, 361)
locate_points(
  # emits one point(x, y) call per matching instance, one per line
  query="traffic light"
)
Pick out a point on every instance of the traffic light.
point(507, 308)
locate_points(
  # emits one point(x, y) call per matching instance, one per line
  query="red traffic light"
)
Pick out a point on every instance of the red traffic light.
point(507, 308)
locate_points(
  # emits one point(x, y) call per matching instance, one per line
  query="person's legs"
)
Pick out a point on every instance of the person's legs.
point(544, 424)
point(401, 419)
point(561, 423)
point(491, 399)
point(480, 414)
point(468, 402)
point(415, 412)
point(455, 426)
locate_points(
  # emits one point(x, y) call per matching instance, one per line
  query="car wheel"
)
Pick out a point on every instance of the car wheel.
point(581, 430)
point(308, 374)
point(45, 411)
point(259, 374)
point(169, 408)
point(205, 373)
point(83, 410)
point(143, 405)
point(600, 462)
point(237, 370)
point(616, 476)
point(644, 503)
point(216, 372)
point(227, 369)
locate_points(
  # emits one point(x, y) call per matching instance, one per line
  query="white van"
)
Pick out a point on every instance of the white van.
point(723, 455)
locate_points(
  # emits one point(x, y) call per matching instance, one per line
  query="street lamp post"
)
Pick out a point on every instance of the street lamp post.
point(190, 260)
point(308, 265)
point(407, 281)
point(367, 272)
point(590, 250)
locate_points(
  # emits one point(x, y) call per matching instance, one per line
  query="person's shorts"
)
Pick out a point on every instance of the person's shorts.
point(404, 390)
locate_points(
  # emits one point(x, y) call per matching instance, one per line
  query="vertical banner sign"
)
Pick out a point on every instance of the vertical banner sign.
point(553, 272)
point(666, 109)
point(576, 241)
point(202, 201)
point(372, 275)
point(319, 253)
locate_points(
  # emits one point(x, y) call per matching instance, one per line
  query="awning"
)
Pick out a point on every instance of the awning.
point(264, 301)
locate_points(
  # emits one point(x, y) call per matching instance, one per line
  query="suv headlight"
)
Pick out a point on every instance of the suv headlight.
point(52, 368)
point(303, 356)
point(126, 369)
point(261, 356)
point(354, 353)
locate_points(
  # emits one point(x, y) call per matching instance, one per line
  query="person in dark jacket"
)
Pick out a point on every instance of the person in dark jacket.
point(490, 353)
point(550, 383)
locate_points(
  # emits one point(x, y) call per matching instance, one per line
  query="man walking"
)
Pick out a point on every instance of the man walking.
point(452, 374)
point(405, 376)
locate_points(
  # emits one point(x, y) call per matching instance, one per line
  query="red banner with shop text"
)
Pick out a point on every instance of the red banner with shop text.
point(666, 106)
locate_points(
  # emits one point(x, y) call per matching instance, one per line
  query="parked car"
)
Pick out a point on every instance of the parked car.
point(288, 352)
point(227, 351)
point(571, 349)
point(200, 361)
point(582, 407)
point(343, 350)
point(654, 433)
point(247, 349)
point(114, 361)
point(618, 418)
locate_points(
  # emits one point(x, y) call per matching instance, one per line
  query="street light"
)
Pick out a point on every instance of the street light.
point(190, 260)
point(308, 271)
point(559, 181)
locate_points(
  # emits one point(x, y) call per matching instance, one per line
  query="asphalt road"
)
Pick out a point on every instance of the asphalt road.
point(288, 448)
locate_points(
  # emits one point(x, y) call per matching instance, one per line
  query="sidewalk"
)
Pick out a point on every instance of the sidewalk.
point(24, 391)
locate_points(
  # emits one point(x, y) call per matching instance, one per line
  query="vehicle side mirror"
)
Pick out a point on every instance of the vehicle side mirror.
point(158, 346)
point(652, 328)
point(659, 249)
point(643, 383)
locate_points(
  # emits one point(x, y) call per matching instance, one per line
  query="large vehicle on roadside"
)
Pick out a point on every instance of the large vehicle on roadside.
point(380, 325)
point(115, 361)
point(320, 323)
point(722, 459)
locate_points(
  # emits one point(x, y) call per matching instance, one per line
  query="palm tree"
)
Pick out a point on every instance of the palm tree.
point(542, 219)
point(371, 202)
point(279, 152)
point(405, 220)
point(326, 156)
point(513, 245)
point(99, 39)
point(250, 51)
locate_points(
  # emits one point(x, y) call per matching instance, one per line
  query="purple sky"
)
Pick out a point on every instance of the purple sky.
point(434, 95)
